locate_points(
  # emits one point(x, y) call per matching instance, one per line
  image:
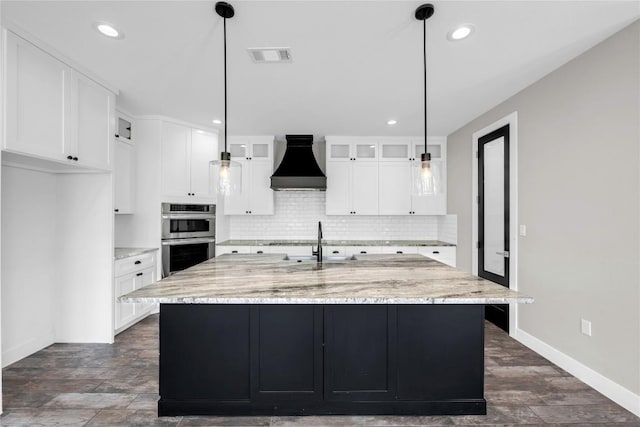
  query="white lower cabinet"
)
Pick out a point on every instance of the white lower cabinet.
point(132, 273)
point(444, 254)
point(362, 250)
point(399, 250)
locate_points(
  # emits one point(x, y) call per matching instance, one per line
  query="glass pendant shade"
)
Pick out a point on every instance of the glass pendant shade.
point(427, 180)
point(227, 176)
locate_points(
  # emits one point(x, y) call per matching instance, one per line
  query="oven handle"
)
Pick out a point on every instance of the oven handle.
point(176, 242)
point(190, 216)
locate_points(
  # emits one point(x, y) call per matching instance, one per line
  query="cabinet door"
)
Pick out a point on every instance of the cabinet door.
point(95, 109)
point(124, 312)
point(204, 147)
point(364, 188)
point(122, 176)
point(175, 160)
point(261, 196)
point(36, 104)
point(339, 151)
point(238, 203)
point(338, 197)
point(395, 188)
point(286, 352)
point(359, 352)
point(435, 204)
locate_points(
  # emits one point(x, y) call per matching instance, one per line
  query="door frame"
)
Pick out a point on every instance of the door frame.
point(512, 121)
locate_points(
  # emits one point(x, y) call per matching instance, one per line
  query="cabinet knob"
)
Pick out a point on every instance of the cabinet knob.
point(139, 274)
point(117, 210)
point(69, 157)
point(75, 159)
point(117, 136)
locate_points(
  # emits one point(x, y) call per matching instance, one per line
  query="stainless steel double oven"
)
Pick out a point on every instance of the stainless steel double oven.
point(188, 235)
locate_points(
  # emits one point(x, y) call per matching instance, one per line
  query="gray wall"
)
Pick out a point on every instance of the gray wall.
point(579, 195)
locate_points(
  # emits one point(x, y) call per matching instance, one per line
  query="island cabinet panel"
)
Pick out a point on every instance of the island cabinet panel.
point(204, 352)
point(287, 356)
point(440, 352)
point(360, 352)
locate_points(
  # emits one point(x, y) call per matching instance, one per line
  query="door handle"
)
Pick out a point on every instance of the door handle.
point(504, 254)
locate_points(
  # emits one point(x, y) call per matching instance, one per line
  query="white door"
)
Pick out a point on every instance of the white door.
point(175, 160)
point(364, 188)
point(204, 147)
point(395, 188)
point(95, 111)
point(36, 100)
point(261, 197)
point(338, 194)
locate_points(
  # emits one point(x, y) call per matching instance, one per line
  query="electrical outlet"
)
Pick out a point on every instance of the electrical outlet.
point(585, 327)
point(523, 230)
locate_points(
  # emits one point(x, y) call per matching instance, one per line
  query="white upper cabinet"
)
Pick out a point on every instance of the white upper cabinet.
point(376, 176)
point(255, 155)
point(53, 111)
point(186, 167)
point(352, 176)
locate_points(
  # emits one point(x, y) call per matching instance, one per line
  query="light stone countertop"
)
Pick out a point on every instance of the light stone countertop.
point(121, 253)
point(334, 243)
point(370, 279)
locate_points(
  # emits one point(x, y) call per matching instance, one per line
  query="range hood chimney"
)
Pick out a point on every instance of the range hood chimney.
point(299, 169)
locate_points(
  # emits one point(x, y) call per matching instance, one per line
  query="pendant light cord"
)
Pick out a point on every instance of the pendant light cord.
point(224, 23)
point(424, 51)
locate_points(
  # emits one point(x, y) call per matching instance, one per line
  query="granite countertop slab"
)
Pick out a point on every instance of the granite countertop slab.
point(370, 279)
point(121, 253)
point(334, 243)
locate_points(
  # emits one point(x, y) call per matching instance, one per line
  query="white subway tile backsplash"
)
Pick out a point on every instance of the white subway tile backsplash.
point(448, 228)
point(297, 214)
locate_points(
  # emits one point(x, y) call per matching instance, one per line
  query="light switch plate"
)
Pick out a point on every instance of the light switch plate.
point(523, 230)
point(585, 327)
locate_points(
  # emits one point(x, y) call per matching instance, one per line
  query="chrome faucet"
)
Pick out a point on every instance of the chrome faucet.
point(318, 253)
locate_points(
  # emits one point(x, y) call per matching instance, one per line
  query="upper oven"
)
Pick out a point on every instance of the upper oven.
point(181, 221)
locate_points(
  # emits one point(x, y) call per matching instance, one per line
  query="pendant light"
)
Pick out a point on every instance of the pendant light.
point(427, 178)
point(227, 173)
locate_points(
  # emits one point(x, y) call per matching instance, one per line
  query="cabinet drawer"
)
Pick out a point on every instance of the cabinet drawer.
point(333, 251)
point(444, 254)
point(362, 250)
point(399, 250)
point(134, 263)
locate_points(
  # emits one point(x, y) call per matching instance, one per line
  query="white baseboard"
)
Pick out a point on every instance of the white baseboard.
point(26, 348)
point(614, 391)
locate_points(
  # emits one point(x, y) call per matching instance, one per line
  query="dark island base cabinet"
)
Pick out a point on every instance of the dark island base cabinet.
point(321, 359)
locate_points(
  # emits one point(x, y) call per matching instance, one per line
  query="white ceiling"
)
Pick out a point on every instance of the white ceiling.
point(355, 65)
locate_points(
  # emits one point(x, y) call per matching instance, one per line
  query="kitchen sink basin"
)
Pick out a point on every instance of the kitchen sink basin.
point(307, 258)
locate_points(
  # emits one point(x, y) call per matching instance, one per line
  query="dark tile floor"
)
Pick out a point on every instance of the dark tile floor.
point(116, 385)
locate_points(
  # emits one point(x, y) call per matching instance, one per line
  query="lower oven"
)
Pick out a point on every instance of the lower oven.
point(180, 254)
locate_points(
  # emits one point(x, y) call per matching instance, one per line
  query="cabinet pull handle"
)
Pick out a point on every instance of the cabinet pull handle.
point(117, 210)
point(436, 252)
point(75, 159)
point(335, 252)
point(139, 274)
point(399, 252)
point(363, 252)
point(234, 252)
point(260, 252)
point(69, 157)
point(138, 262)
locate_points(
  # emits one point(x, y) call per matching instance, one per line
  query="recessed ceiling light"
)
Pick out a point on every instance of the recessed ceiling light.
point(217, 121)
point(108, 30)
point(270, 54)
point(461, 32)
point(392, 122)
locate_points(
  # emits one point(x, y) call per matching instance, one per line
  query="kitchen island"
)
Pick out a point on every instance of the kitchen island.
point(262, 335)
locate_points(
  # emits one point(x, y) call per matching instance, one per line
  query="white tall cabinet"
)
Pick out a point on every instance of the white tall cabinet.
point(352, 176)
point(255, 155)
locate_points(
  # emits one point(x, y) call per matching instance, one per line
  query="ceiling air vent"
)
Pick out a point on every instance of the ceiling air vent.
point(270, 54)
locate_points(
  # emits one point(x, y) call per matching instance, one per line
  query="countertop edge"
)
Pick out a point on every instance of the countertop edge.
point(355, 300)
point(276, 243)
point(131, 252)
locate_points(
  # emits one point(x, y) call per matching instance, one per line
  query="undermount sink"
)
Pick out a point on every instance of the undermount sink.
point(306, 258)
